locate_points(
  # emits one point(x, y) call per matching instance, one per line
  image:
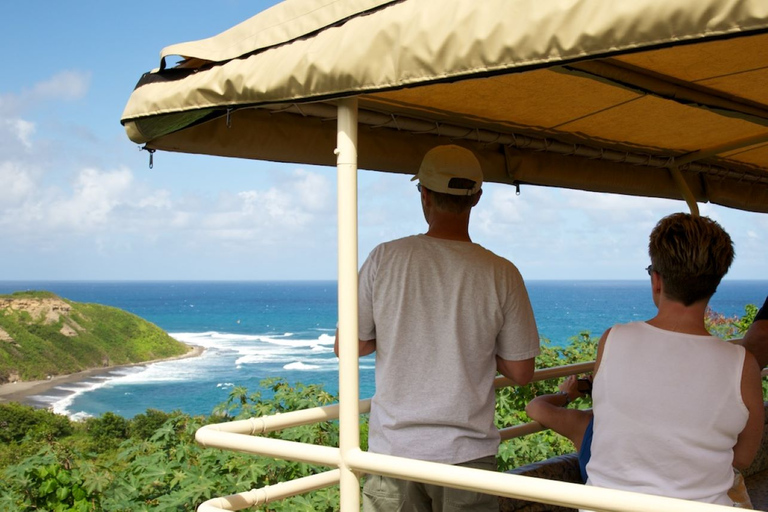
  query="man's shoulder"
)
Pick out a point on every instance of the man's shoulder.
point(472, 253)
point(387, 250)
point(397, 243)
point(492, 256)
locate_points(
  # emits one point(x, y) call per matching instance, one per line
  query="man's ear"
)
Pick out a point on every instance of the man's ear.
point(425, 195)
point(477, 198)
point(657, 283)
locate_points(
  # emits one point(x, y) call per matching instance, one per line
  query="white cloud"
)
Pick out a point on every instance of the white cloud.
point(22, 130)
point(94, 197)
point(614, 209)
point(17, 184)
point(505, 207)
point(65, 85)
point(297, 207)
point(315, 191)
point(160, 199)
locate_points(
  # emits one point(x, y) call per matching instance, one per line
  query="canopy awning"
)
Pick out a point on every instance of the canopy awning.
point(594, 95)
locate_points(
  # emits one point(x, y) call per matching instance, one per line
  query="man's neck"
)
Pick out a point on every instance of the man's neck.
point(450, 228)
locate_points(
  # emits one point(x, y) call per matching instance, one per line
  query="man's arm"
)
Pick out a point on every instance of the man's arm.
point(366, 346)
point(519, 372)
point(756, 338)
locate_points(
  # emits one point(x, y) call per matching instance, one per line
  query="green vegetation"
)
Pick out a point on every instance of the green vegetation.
point(511, 402)
point(151, 462)
point(42, 334)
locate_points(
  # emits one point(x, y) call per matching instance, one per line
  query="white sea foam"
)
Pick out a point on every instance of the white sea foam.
point(324, 339)
point(156, 372)
point(61, 405)
point(222, 352)
point(327, 339)
point(273, 349)
point(252, 359)
point(298, 365)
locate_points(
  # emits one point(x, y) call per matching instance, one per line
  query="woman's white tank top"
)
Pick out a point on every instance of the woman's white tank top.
point(668, 411)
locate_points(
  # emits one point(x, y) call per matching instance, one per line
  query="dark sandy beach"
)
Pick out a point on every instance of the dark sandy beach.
point(22, 391)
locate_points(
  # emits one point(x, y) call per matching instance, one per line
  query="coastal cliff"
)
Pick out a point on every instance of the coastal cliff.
point(43, 335)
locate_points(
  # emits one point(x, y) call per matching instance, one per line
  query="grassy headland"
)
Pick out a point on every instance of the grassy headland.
point(44, 335)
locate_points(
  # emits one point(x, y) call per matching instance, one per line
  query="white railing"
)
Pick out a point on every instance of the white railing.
point(242, 436)
point(348, 461)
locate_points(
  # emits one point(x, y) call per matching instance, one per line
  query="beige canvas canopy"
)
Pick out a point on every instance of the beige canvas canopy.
point(648, 97)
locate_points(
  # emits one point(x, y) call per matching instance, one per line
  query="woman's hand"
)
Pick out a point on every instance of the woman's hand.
point(571, 387)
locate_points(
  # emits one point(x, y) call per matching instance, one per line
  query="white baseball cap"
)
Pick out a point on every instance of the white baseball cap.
point(450, 169)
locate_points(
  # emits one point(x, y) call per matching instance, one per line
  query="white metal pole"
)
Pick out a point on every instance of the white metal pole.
point(349, 391)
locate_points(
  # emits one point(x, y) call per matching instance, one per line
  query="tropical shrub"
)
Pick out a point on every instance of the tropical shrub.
point(52, 479)
point(144, 426)
point(107, 431)
point(730, 327)
point(18, 421)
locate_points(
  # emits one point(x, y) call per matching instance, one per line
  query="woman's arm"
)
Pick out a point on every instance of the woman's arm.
point(550, 411)
point(752, 394)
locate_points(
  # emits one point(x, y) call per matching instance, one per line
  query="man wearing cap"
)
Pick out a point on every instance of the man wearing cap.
point(443, 314)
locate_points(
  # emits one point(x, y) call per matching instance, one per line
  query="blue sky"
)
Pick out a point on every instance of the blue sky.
point(78, 200)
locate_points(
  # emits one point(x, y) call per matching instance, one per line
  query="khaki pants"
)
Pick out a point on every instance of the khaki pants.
point(383, 494)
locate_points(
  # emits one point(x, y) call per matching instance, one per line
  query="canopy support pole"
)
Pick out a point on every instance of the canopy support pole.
point(685, 190)
point(721, 148)
point(349, 386)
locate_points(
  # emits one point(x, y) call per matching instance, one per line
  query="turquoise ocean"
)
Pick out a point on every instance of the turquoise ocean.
point(255, 330)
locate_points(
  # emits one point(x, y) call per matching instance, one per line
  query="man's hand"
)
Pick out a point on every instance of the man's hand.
point(365, 346)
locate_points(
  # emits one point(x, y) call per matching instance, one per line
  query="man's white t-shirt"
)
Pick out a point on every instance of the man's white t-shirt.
point(440, 311)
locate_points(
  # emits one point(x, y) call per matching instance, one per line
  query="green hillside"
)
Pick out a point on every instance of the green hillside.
point(42, 334)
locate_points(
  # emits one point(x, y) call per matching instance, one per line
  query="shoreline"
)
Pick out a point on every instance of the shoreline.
point(23, 391)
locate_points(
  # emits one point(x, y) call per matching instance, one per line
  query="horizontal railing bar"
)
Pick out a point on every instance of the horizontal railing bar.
point(550, 373)
point(277, 448)
point(270, 493)
point(275, 422)
point(520, 430)
point(521, 487)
